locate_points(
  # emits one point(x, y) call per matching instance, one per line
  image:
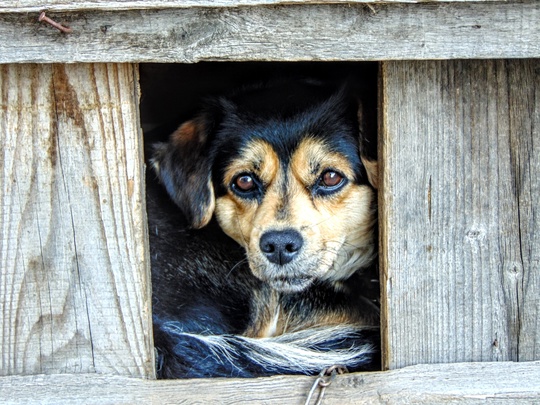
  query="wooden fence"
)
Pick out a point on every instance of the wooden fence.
point(459, 147)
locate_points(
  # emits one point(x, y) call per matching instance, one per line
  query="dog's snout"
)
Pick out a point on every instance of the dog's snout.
point(281, 247)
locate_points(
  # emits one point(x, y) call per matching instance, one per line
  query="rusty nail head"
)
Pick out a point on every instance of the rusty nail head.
point(43, 17)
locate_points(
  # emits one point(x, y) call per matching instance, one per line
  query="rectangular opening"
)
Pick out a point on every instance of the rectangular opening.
point(173, 94)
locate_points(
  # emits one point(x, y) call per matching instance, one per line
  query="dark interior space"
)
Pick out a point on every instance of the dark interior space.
point(172, 93)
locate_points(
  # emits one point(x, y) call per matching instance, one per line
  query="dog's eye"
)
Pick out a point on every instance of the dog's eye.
point(331, 179)
point(244, 182)
point(329, 182)
point(246, 185)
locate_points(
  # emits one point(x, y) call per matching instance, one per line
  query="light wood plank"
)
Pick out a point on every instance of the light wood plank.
point(62, 5)
point(74, 290)
point(468, 383)
point(523, 83)
point(279, 33)
point(459, 212)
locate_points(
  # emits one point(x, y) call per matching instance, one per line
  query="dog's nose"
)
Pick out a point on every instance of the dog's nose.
point(280, 247)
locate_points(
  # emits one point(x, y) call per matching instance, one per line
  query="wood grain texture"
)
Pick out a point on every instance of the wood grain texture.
point(74, 288)
point(63, 5)
point(469, 383)
point(459, 211)
point(327, 32)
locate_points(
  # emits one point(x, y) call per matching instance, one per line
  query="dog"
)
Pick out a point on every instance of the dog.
point(263, 228)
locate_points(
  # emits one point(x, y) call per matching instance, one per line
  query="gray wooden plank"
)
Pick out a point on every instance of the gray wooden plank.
point(468, 383)
point(523, 83)
point(63, 5)
point(279, 33)
point(74, 289)
point(459, 211)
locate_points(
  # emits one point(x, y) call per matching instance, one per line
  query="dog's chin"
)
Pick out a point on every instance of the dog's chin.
point(290, 285)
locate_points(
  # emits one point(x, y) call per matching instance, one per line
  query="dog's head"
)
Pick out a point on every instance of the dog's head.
point(281, 168)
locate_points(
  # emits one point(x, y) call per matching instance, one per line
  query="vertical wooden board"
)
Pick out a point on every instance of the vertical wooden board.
point(460, 268)
point(74, 287)
point(524, 111)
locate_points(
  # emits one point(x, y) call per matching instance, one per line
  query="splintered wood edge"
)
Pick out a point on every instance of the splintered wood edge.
point(61, 5)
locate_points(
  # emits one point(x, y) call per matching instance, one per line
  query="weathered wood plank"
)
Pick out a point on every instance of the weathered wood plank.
point(459, 211)
point(287, 33)
point(74, 289)
point(523, 83)
point(469, 383)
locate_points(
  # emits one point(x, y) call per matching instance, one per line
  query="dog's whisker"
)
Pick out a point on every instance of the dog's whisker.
point(241, 231)
point(236, 266)
point(315, 224)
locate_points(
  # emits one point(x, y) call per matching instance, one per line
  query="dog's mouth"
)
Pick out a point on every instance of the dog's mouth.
point(290, 284)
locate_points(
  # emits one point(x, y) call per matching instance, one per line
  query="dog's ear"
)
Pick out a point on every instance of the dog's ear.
point(183, 166)
point(372, 170)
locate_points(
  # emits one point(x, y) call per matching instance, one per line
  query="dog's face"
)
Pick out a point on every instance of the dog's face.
point(281, 169)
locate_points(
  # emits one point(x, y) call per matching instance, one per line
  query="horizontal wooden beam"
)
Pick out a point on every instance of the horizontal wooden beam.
point(328, 32)
point(63, 5)
point(468, 383)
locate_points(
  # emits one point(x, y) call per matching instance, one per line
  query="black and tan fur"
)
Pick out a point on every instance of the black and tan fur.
point(281, 168)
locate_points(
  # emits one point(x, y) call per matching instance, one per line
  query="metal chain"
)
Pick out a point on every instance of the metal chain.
point(324, 379)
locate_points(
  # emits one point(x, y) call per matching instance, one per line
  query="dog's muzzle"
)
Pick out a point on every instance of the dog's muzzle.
point(281, 247)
